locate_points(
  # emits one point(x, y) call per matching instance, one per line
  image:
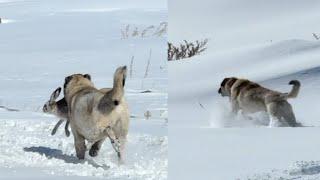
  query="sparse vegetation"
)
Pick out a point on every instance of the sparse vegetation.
point(316, 36)
point(147, 115)
point(186, 49)
point(148, 64)
point(131, 66)
point(133, 31)
point(147, 69)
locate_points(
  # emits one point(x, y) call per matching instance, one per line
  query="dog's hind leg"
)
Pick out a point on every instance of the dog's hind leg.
point(121, 153)
point(281, 112)
point(121, 134)
point(66, 128)
point(93, 152)
point(113, 139)
point(54, 130)
point(286, 112)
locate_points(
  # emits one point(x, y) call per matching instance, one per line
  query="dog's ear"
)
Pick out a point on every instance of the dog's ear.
point(87, 76)
point(225, 80)
point(66, 81)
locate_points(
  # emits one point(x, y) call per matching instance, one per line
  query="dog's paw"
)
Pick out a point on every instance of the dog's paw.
point(93, 152)
point(80, 156)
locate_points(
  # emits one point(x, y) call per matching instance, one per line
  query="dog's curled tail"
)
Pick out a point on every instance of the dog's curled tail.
point(295, 89)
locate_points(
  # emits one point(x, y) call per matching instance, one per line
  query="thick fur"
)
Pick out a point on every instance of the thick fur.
point(250, 97)
point(60, 109)
point(96, 115)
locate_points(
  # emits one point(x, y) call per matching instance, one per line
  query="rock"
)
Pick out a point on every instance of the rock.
point(146, 91)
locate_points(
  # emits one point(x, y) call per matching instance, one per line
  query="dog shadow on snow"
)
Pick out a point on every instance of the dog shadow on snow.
point(58, 154)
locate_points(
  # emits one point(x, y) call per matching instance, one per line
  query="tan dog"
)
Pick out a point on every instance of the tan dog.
point(95, 115)
point(250, 97)
point(60, 109)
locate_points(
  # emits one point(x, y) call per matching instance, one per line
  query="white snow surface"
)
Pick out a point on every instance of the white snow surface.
point(269, 42)
point(47, 40)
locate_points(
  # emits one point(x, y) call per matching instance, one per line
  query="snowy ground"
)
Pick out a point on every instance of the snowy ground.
point(43, 41)
point(267, 42)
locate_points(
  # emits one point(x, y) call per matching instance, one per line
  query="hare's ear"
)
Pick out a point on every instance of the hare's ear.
point(55, 94)
point(87, 76)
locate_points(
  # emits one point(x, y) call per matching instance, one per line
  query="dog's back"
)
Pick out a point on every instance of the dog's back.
point(86, 119)
point(90, 120)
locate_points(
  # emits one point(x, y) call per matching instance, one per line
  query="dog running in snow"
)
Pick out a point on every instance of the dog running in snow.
point(250, 97)
point(95, 115)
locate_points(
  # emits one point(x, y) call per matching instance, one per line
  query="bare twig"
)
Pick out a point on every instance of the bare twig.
point(125, 32)
point(315, 36)
point(135, 32)
point(144, 32)
point(148, 64)
point(131, 66)
point(201, 105)
point(161, 30)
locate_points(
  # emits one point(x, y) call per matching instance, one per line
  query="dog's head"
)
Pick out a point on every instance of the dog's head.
point(225, 86)
point(76, 80)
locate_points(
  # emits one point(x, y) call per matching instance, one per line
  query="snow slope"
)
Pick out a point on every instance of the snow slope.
point(269, 42)
point(47, 40)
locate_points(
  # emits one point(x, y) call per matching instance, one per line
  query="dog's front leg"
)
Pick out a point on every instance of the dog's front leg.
point(114, 140)
point(246, 115)
point(80, 145)
point(93, 152)
point(234, 107)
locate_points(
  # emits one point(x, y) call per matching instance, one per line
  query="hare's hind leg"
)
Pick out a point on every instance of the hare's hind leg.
point(113, 139)
point(54, 130)
point(66, 128)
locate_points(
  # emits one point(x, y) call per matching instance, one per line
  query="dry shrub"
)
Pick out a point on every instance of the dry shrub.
point(186, 49)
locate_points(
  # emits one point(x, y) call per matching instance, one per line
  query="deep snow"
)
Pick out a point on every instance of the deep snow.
point(43, 41)
point(269, 42)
